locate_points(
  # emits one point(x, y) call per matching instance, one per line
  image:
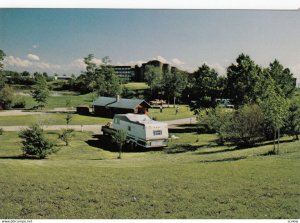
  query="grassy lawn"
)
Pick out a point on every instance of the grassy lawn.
point(51, 119)
point(59, 118)
point(58, 100)
point(203, 181)
point(136, 86)
point(170, 113)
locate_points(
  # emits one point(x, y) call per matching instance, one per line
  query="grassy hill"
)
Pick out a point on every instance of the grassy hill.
point(193, 178)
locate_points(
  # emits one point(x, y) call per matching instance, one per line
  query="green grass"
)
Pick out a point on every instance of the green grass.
point(82, 181)
point(59, 118)
point(136, 86)
point(51, 119)
point(170, 113)
point(60, 100)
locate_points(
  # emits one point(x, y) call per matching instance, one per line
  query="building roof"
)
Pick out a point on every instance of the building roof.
point(112, 102)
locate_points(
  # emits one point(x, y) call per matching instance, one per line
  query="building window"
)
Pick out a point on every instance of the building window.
point(157, 132)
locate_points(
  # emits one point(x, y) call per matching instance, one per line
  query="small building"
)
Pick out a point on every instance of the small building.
point(109, 106)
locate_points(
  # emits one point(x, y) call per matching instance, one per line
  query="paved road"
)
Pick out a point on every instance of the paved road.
point(93, 128)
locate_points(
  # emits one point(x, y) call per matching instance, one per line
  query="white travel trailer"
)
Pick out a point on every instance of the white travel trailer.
point(141, 130)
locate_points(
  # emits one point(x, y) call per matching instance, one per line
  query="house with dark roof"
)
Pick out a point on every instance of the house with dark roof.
point(109, 106)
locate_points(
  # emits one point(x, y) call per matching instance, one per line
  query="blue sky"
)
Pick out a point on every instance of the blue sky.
point(56, 40)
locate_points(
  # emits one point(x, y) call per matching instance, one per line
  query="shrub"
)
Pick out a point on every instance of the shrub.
point(19, 103)
point(66, 135)
point(1, 131)
point(34, 142)
point(7, 97)
point(244, 127)
point(247, 126)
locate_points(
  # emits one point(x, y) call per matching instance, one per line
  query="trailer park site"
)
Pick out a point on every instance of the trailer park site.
point(193, 177)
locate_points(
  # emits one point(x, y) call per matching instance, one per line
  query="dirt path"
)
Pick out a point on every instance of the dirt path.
point(93, 128)
point(18, 112)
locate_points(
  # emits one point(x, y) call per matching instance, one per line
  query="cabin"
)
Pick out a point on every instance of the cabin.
point(109, 106)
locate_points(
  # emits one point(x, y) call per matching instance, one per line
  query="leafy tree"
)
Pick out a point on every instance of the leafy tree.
point(2, 55)
point(173, 84)
point(275, 109)
point(34, 142)
point(100, 79)
point(153, 77)
point(119, 137)
point(247, 126)
point(292, 124)
point(2, 76)
point(242, 80)
point(204, 90)
point(218, 119)
point(66, 135)
point(40, 92)
point(7, 97)
point(283, 78)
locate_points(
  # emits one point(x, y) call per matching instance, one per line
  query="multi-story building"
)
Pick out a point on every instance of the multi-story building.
point(136, 73)
point(126, 73)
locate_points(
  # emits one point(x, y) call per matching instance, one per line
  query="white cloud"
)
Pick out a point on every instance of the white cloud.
point(161, 59)
point(219, 68)
point(33, 57)
point(35, 46)
point(34, 64)
point(16, 62)
point(176, 61)
point(78, 63)
point(97, 61)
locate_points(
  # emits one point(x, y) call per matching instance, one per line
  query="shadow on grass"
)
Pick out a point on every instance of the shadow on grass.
point(104, 142)
point(224, 160)
point(189, 128)
point(20, 157)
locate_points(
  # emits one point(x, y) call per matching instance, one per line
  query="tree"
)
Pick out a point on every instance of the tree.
point(173, 83)
point(283, 78)
point(292, 125)
point(275, 109)
point(247, 126)
point(40, 92)
point(204, 89)
point(242, 79)
point(34, 142)
point(2, 55)
point(119, 137)
point(66, 135)
point(68, 119)
point(7, 95)
point(101, 79)
point(153, 77)
point(2, 76)
point(218, 119)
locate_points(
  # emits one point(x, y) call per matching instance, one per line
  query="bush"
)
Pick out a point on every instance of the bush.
point(1, 131)
point(7, 97)
point(19, 103)
point(217, 120)
point(247, 126)
point(244, 127)
point(34, 142)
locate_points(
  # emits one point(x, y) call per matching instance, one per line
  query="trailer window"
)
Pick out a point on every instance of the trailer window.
point(157, 132)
